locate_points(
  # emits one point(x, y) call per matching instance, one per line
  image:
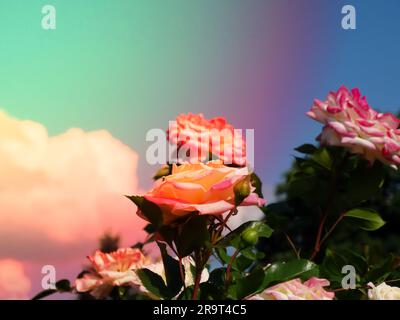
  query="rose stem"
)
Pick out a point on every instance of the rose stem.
point(296, 252)
point(228, 269)
point(181, 273)
point(200, 263)
point(331, 193)
point(317, 246)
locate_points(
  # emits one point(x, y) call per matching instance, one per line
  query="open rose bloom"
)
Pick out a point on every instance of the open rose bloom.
point(350, 122)
point(312, 289)
point(201, 137)
point(383, 292)
point(111, 269)
point(203, 188)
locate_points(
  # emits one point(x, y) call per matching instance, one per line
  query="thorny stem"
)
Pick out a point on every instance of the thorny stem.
point(224, 222)
point(201, 258)
point(331, 198)
point(333, 227)
point(317, 246)
point(196, 285)
point(200, 261)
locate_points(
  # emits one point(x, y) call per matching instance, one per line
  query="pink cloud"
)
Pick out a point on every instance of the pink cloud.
point(59, 194)
point(14, 283)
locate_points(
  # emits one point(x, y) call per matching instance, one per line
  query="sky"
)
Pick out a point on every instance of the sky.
point(113, 70)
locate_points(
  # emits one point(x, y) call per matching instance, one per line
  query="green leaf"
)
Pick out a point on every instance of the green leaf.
point(311, 188)
point(193, 235)
point(366, 219)
point(222, 254)
point(208, 291)
point(44, 294)
point(186, 294)
point(217, 277)
point(364, 182)
point(63, 285)
point(234, 238)
point(162, 172)
point(149, 228)
point(172, 271)
point(332, 265)
point(138, 245)
point(379, 273)
point(168, 234)
point(250, 284)
point(249, 253)
point(323, 158)
point(153, 283)
point(242, 263)
point(150, 210)
point(281, 272)
point(257, 184)
point(259, 279)
point(263, 230)
point(277, 215)
point(306, 148)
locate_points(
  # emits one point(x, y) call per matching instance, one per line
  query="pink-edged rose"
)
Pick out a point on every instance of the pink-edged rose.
point(206, 188)
point(312, 289)
point(202, 137)
point(350, 122)
point(111, 269)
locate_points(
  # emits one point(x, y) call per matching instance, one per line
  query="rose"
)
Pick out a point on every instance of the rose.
point(294, 289)
point(383, 292)
point(111, 269)
point(201, 137)
point(203, 188)
point(350, 122)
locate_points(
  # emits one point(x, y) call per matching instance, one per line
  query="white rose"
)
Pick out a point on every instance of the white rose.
point(383, 292)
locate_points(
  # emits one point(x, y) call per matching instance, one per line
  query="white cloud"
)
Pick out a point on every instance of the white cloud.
point(14, 284)
point(59, 194)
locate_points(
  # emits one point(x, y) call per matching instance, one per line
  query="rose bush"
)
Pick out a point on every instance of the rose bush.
point(288, 255)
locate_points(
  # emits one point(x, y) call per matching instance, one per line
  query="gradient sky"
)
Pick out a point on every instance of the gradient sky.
point(129, 66)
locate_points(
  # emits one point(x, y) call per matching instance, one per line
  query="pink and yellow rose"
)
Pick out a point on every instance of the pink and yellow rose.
point(312, 289)
point(111, 269)
point(350, 122)
point(202, 137)
point(203, 188)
